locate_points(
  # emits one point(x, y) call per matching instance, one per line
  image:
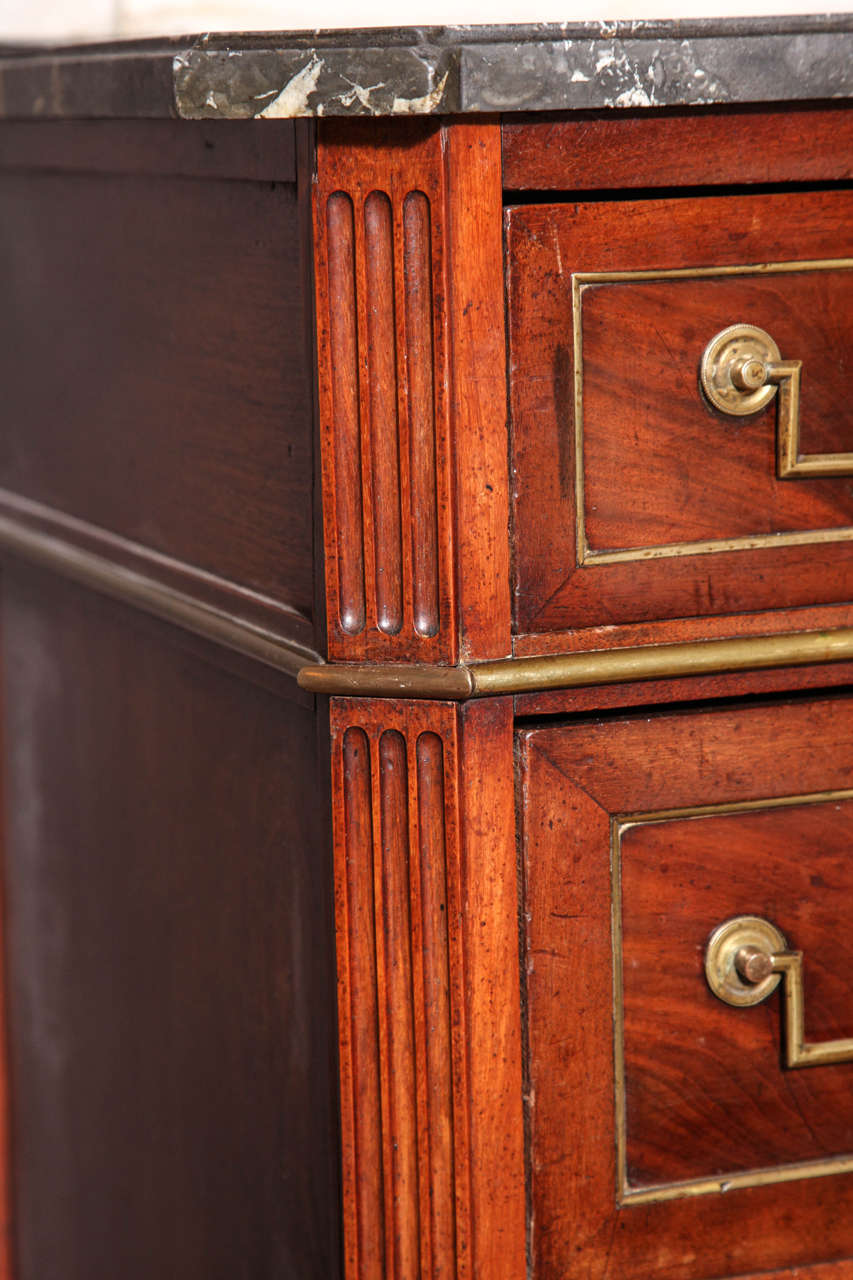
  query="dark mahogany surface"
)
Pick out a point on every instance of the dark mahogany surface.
point(154, 364)
point(171, 955)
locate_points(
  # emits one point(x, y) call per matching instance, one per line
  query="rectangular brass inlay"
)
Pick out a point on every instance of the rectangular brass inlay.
point(625, 1194)
point(586, 555)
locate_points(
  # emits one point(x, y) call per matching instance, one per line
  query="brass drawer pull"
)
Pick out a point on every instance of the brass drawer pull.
point(741, 371)
point(745, 960)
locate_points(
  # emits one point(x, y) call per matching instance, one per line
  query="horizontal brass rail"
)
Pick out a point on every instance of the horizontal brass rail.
point(578, 670)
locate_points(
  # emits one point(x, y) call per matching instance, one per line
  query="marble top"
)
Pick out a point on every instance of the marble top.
point(436, 70)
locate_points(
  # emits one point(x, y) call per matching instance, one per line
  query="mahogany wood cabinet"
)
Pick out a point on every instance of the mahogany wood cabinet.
point(426, 518)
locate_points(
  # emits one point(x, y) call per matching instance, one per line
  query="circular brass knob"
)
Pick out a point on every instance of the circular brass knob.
point(734, 370)
point(736, 956)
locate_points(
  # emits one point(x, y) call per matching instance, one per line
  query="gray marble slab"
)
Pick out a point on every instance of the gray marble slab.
point(437, 70)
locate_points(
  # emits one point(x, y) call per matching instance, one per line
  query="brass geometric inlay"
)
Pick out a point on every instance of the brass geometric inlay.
point(745, 960)
point(625, 1194)
point(741, 371)
point(791, 463)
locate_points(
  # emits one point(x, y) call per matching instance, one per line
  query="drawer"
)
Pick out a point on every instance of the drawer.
point(667, 1134)
point(636, 498)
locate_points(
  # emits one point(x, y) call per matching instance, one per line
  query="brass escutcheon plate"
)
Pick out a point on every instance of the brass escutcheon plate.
point(737, 343)
point(724, 944)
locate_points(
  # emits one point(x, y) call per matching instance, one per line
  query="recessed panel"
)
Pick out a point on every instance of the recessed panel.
point(666, 473)
point(635, 499)
point(667, 1134)
point(706, 1095)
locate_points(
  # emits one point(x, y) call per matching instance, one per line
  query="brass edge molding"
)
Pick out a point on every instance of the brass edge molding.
point(147, 594)
point(739, 1181)
point(586, 555)
point(661, 661)
point(717, 1183)
point(356, 680)
point(578, 670)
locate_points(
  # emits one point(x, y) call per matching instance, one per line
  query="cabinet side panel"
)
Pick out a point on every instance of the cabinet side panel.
point(170, 954)
point(6, 1225)
point(154, 371)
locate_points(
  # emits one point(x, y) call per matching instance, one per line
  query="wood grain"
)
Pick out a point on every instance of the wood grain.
point(693, 1065)
point(574, 779)
point(649, 441)
point(584, 152)
point(841, 1270)
point(478, 381)
point(652, 693)
point(154, 368)
point(558, 586)
point(380, 260)
point(412, 389)
point(683, 630)
point(428, 994)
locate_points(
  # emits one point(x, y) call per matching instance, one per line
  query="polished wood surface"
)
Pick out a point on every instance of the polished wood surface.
point(412, 414)
point(684, 473)
point(693, 1063)
point(479, 387)
point(167, 844)
point(641, 418)
point(576, 779)
point(6, 1190)
point(265, 151)
point(379, 225)
point(428, 989)
point(412, 363)
point(170, 954)
point(154, 364)
point(194, 847)
point(759, 144)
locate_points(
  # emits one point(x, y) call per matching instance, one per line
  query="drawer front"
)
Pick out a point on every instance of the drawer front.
point(637, 498)
point(668, 1134)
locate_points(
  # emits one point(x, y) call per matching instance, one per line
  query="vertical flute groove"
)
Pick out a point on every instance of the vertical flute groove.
point(382, 400)
point(397, 926)
point(343, 335)
point(438, 1152)
point(361, 1108)
point(417, 232)
point(401, 1004)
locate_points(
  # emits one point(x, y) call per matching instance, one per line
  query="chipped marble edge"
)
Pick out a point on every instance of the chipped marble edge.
point(282, 84)
point(570, 74)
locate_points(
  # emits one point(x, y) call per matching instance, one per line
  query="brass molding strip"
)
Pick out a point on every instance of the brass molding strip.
point(739, 1181)
point(156, 598)
point(577, 670)
point(356, 680)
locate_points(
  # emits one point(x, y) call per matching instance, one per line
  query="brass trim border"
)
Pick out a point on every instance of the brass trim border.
point(143, 592)
point(388, 680)
point(578, 670)
point(625, 1195)
point(587, 556)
